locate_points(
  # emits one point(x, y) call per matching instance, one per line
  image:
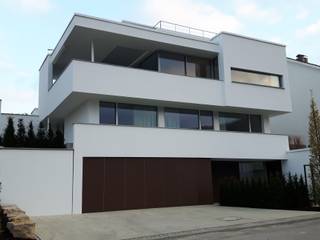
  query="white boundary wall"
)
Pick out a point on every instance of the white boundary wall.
point(296, 161)
point(39, 181)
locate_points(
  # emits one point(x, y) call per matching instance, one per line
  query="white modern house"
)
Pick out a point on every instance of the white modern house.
point(158, 115)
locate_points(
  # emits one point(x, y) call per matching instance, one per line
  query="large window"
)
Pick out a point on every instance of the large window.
point(264, 79)
point(172, 63)
point(206, 120)
point(150, 63)
point(187, 65)
point(199, 67)
point(137, 115)
point(181, 118)
point(240, 122)
point(107, 113)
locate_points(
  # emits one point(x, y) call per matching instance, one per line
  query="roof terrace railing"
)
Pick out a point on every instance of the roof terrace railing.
point(184, 29)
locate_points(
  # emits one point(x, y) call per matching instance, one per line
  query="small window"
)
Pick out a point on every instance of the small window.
point(181, 118)
point(107, 113)
point(206, 120)
point(137, 115)
point(263, 79)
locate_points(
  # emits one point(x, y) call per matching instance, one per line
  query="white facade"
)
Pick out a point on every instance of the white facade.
point(304, 80)
point(39, 181)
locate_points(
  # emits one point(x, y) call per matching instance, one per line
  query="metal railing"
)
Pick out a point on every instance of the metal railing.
point(184, 29)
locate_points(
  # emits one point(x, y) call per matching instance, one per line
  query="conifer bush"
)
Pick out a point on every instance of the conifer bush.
point(9, 138)
point(23, 137)
point(278, 192)
point(21, 134)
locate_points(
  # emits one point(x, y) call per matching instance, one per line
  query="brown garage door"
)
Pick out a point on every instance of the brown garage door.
point(132, 183)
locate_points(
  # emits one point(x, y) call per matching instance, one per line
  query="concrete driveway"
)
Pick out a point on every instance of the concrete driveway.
point(157, 223)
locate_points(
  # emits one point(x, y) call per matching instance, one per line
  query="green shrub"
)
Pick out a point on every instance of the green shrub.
point(278, 192)
point(9, 138)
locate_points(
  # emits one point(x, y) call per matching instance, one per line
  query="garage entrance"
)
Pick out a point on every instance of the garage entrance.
point(132, 183)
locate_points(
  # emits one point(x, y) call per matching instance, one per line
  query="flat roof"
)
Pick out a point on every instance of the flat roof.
point(250, 38)
point(127, 24)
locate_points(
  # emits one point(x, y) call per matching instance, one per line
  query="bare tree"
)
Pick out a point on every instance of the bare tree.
point(314, 141)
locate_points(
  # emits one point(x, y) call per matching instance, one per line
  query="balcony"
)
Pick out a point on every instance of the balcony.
point(121, 141)
point(98, 80)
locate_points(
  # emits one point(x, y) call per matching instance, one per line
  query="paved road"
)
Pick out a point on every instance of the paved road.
point(305, 230)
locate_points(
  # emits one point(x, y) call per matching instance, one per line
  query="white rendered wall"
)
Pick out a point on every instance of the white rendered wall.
point(296, 161)
point(38, 181)
point(255, 55)
point(87, 112)
point(303, 78)
point(91, 140)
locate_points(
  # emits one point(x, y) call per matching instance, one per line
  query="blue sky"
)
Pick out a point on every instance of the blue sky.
point(29, 27)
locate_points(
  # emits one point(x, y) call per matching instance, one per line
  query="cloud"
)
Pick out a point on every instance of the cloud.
point(302, 14)
point(30, 6)
point(251, 10)
point(191, 13)
point(312, 29)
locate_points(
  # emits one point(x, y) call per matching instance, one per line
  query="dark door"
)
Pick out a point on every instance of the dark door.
point(93, 185)
point(220, 171)
point(131, 183)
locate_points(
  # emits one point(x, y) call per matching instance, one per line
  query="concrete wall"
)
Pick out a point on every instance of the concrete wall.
point(296, 161)
point(38, 181)
point(303, 78)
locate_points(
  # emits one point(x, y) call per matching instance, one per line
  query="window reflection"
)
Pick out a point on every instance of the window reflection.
point(181, 118)
point(255, 78)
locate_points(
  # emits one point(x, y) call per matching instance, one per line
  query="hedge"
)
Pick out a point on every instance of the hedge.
point(281, 192)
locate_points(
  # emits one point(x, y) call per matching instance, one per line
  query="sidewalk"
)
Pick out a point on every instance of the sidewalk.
point(160, 222)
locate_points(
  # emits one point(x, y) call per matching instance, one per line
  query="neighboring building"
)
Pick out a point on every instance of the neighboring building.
point(27, 118)
point(155, 117)
point(304, 78)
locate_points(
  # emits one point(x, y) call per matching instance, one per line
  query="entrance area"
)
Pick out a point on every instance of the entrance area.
point(135, 183)
point(241, 169)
